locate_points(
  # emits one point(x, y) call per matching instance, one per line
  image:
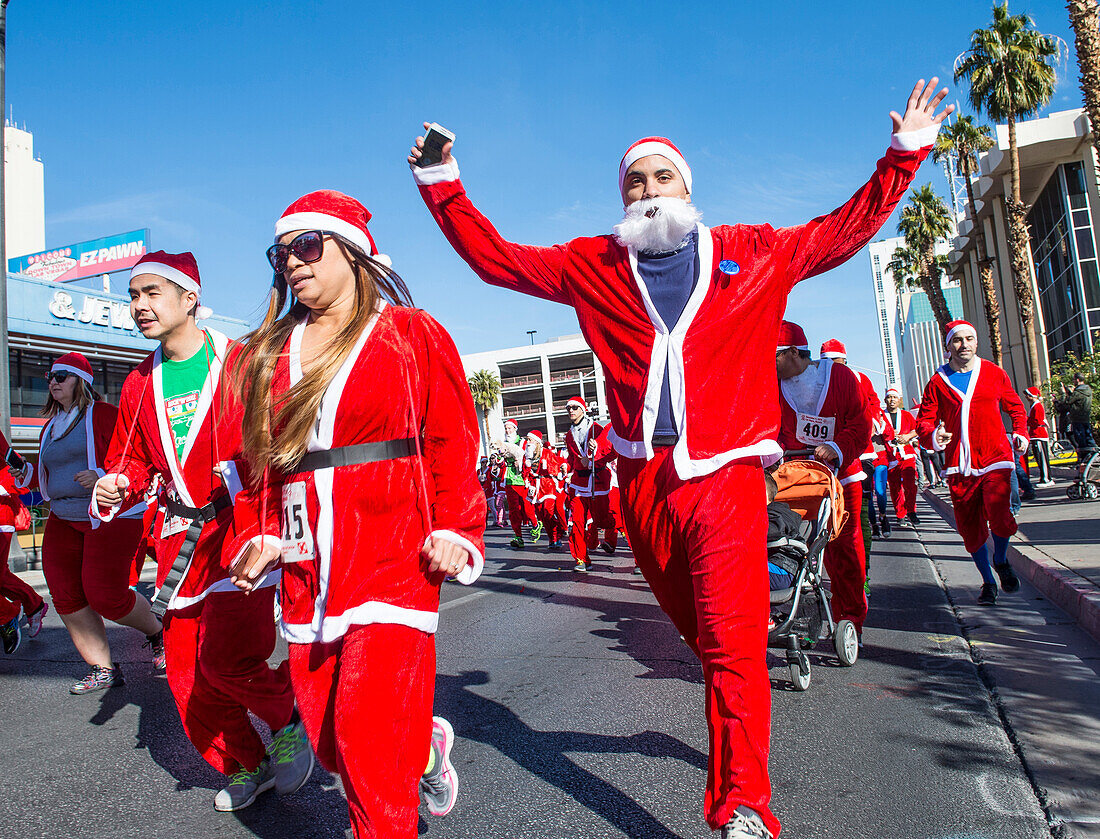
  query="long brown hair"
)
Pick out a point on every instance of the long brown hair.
point(85, 395)
point(295, 413)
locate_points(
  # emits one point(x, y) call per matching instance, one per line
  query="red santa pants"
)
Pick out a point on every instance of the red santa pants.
point(585, 533)
point(701, 546)
point(217, 652)
point(551, 512)
point(13, 591)
point(981, 504)
point(86, 566)
point(903, 488)
point(520, 509)
point(366, 702)
point(846, 562)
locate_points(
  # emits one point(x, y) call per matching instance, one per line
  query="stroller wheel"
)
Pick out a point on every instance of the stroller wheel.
point(1092, 491)
point(1073, 492)
point(800, 672)
point(846, 643)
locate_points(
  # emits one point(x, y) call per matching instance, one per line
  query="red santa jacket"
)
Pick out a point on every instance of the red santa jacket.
point(544, 476)
point(214, 439)
point(99, 426)
point(875, 453)
point(719, 352)
point(839, 420)
point(351, 552)
point(979, 443)
point(904, 455)
point(1037, 428)
point(11, 508)
point(589, 475)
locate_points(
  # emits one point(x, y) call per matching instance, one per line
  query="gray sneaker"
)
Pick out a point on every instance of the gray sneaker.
point(746, 824)
point(244, 787)
point(439, 788)
point(291, 758)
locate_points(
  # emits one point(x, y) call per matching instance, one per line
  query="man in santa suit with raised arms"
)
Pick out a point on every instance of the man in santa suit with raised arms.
point(822, 407)
point(960, 415)
point(177, 419)
point(682, 318)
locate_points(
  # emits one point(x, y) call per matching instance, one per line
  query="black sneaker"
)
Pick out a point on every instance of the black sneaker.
point(913, 520)
point(11, 634)
point(605, 546)
point(1009, 581)
point(885, 528)
point(988, 597)
point(876, 533)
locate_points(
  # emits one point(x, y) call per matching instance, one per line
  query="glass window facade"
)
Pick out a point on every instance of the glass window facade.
point(1064, 248)
point(28, 380)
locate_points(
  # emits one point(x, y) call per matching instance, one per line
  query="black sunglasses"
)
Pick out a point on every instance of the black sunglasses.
point(59, 376)
point(307, 246)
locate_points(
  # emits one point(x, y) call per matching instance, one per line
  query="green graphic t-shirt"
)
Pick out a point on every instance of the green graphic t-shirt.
point(183, 381)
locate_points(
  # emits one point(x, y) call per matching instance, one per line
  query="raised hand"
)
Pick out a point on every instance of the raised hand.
point(920, 110)
point(417, 150)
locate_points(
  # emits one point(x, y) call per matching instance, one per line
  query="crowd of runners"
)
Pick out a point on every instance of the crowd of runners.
point(330, 459)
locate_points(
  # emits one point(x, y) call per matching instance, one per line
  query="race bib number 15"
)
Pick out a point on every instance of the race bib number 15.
point(813, 431)
point(297, 537)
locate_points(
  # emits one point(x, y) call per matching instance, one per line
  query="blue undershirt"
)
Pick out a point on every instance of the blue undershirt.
point(960, 380)
point(670, 279)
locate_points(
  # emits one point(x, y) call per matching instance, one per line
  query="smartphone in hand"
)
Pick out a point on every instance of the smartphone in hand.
point(434, 141)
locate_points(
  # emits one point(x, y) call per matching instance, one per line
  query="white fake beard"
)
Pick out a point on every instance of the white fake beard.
point(656, 225)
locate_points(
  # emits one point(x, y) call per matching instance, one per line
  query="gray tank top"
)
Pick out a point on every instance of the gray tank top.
point(63, 457)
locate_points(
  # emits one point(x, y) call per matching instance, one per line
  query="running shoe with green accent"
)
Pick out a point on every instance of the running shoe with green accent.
point(580, 566)
point(536, 532)
point(291, 758)
point(516, 544)
point(98, 678)
point(439, 787)
point(11, 634)
point(244, 787)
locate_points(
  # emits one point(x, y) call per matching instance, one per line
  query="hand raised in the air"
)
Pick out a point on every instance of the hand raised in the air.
point(920, 110)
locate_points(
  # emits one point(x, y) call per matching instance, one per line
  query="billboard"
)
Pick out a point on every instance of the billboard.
point(85, 259)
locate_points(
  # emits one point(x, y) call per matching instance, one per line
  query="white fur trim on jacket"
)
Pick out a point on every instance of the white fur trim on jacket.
point(913, 140)
point(472, 569)
point(441, 173)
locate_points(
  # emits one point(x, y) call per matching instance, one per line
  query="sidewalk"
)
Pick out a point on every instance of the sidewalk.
point(1057, 549)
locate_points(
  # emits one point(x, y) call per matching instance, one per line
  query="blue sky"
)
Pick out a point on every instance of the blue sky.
point(203, 121)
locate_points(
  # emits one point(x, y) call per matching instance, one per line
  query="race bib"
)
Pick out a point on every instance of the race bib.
point(173, 525)
point(813, 431)
point(297, 537)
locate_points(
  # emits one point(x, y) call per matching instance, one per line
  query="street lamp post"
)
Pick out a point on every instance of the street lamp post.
point(531, 333)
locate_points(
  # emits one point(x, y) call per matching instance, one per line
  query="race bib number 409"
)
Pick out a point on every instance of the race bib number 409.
point(297, 537)
point(813, 430)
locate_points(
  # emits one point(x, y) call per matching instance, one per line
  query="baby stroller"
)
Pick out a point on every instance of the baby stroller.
point(801, 613)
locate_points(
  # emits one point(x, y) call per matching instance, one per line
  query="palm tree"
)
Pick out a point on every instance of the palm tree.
point(963, 141)
point(1086, 34)
point(904, 267)
point(485, 388)
point(1010, 70)
point(924, 220)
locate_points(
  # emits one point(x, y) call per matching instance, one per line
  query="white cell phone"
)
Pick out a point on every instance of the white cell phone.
point(434, 141)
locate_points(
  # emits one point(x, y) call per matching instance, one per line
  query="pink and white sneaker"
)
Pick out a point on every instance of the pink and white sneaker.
point(439, 786)
point(34, 621)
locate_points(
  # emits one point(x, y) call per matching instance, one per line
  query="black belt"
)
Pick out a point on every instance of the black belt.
point(661, 441)
point(354, 455)
point(199, 517)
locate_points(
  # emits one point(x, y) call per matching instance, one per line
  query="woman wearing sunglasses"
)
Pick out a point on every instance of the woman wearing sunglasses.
point(87, 565)
point(358, 418)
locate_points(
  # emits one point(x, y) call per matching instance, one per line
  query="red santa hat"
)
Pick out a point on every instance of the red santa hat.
point(75, 363)
point(178, 268)
point(654, 145)
point(332, 212)
point(833, 349)
point(511, 422)
point(791, 335)
point(1033, 392)
point(536, 434)
point(894, 391)
point(957, 326)
point(580, 403)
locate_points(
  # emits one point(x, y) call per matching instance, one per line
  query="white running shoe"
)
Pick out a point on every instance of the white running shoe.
point(439, 787)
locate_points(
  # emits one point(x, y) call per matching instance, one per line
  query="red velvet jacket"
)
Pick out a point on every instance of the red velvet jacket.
point(904, 455)
point(351, 549)
point(842, 400)
point(10, 505)
point(589, 475)
point(979, 443)
point(543, 478)
point(214, 438)
point(719, 353)
point(1037, 428)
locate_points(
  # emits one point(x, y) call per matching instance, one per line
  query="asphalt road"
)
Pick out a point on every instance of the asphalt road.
point(579, 713)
